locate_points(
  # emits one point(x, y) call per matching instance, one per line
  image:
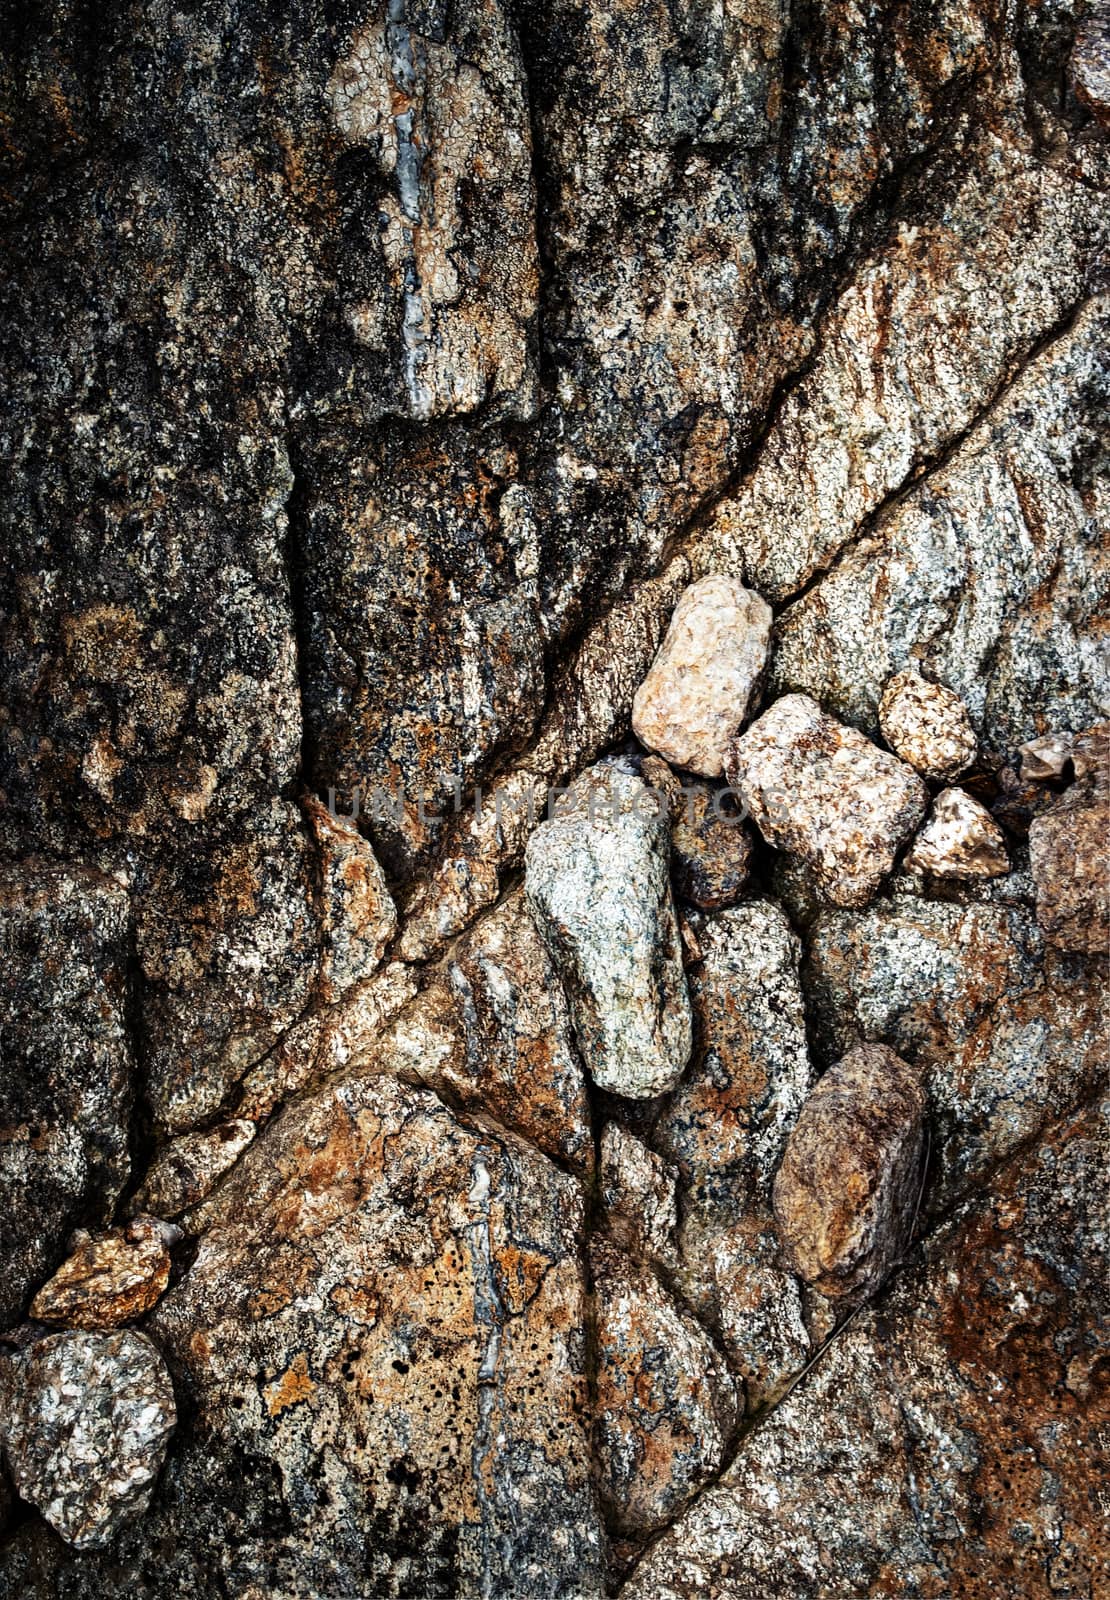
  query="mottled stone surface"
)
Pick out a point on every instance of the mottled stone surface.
point(1007, 1034)
point(711, 845)
point(820, 790)
point(113, 1278)
point(1089, 65)
point(927, 725)
point(948, 1441)
point(85, 1424)
point(846, 1194)
point(1068, 856)
point(186, 1169)
point(701, 685)
point(66, 1084)
point(666, 1400)
point(596, 879)
point(960, 839)
point(725, 1128)
point(357, 912)
point(638, 1190)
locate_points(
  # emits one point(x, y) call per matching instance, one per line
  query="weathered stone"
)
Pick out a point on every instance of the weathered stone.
point(68, 1064)
point(927, 725)
point(711, 845)
point(947, 1442)
point(187, 1169)
point(959, 840)
point(701, 685)
point(726, 1127)
point(358, 916)
point(846, 1195)
point(383, 1336)
point(822, 791)
point(637, 1189)
point(85, 1425)
point(597, 881)
point(113, 1278)
point(666, 1401)
point(1089, 66)
point(1006, 1034)
point(1068, 859)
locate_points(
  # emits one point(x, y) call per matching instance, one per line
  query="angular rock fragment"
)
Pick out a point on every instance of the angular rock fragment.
point(667, 1403)
point(1007, 1034)
point(185, 1170)
point(637, 1189)
point(927, 725)
point(114, 1278)
point(1068, 856)
point(960, 840)
point(85, 1424)
point(846, 1194)
point(700, 686)
point(1089, 66)
point(67, 1064)
point(358, 917)
point(597, 880)
point(818, 789)
point(947, 1442)
point(711, 845)
point(725, 1129)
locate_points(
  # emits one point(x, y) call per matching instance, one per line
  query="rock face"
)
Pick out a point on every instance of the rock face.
point(596, 879)
point(846, 1195)
point(701, 684)
point(108, 1280)
point(85, 1425)
point(927, 725)
point(960, 840)
point(822, 791)
point(403, 409)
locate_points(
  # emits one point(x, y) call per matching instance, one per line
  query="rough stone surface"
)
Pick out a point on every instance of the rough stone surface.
point(820, 790)
point(597, 881)
point(845, 1196)
point(725, 1129)
point(113, 1278)
point(962, 1422)
point(185, 1170)
point(1006, 1034)
point(1089, 65)
point(701, 685)
point(711, 846)
point(666, 1400)
point(67, 1059)
point(638, 1189)
point(959, 840)
point(927, 725)
point(85, 1425)
point(358, 915)
point(1068, 859)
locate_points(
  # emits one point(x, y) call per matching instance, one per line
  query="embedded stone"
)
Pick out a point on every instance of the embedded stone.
point(846, 1195)
point(700, 686)
point(638, 1191)
point(358, 917)
point(927, 725)
point(187, 1169)
point(818, 789)
point(1068, 857)
point(85, 1425)
point(114, 1278)
point(960, 840)
point(596, 879)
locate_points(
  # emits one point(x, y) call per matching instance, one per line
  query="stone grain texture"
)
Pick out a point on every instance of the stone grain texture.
point(927, 725)
point(819, 790)
point(86, 1421)
point(702, 683)
point(596, 878)
point(960, 840)
point(376, 380)
point(111, 1279)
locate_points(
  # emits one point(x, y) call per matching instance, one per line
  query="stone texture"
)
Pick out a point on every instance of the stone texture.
point(185, 1170)
point(1089, 65)
point(666, 1400)
point(1006, 1034)
point(927, 725)
point(846, 1194)
point(711, 846)
point(701, 685)
point(358, 916)
point(113, 1278)
point(85, 1424)
point(959, 840)
point(638, 1190)
point(725, 1129)
point(596, 879)
point(66, 1088)
point(960, 1421)
point(1068, 857)
point(822, 791)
